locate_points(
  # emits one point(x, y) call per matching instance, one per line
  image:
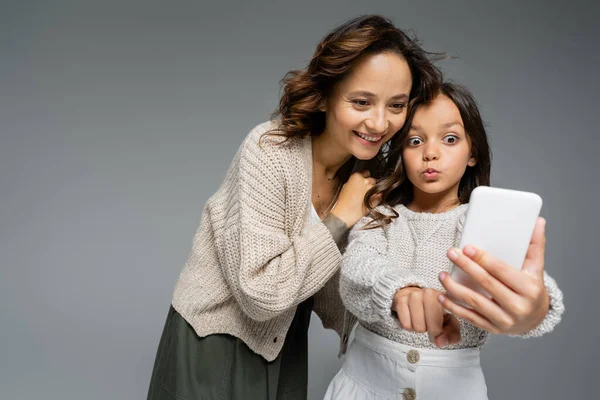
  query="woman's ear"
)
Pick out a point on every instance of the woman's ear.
point(472, 162)
point(322, 103)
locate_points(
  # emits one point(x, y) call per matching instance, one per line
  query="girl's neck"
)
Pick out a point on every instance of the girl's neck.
point(434, 203)
point(328, 156)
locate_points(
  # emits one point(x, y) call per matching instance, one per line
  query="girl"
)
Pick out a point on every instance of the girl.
point(395, 269)
point(267, 251)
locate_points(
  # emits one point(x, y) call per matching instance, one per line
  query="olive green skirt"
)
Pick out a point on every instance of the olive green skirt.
point(222, 367)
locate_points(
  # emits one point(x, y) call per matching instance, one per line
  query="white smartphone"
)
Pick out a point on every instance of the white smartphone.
point(501, 222)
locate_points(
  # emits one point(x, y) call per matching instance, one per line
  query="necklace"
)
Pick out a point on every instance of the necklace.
point(337, 192)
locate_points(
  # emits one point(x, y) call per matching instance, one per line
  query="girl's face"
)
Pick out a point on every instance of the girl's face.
point(437, 150)
point(368, 107)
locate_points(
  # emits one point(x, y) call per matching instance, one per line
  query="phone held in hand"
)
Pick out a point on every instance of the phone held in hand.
point(501, 222)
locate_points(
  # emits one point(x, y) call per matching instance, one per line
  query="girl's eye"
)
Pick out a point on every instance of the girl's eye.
point(361, 103)
point(451, 139)
point(414, 141)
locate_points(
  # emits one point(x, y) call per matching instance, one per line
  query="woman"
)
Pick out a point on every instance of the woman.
point(267, 251)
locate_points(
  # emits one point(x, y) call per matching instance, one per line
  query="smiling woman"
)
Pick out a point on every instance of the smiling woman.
point(268, 249)
point(368, 107)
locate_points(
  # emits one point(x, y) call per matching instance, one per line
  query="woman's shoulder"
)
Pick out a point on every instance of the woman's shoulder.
point(270, 156)
point(262, 128)
point(266, 139)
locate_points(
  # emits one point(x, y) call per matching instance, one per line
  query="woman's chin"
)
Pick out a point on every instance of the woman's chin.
point(365, 154)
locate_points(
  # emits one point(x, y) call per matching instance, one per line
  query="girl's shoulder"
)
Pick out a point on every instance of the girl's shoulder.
point(406, 220)
point(457, 213)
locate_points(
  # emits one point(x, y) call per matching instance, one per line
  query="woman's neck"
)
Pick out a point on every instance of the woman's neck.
point(328, 156)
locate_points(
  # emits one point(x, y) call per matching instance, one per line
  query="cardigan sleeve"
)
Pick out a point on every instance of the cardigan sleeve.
point(268, 270)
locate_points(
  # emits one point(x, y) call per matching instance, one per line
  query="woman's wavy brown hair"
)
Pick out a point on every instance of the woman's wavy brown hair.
point(305, 91)
point(395, 188)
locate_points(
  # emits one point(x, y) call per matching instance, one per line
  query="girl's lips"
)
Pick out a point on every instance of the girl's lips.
point(430, 173)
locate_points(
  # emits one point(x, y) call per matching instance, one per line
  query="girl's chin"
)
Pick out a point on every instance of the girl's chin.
point(435, 189)
point(431, 189)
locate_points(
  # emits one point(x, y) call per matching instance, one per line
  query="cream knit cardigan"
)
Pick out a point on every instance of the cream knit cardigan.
point(252, 259)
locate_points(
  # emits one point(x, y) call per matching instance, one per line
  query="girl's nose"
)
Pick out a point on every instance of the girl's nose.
point(430, 153)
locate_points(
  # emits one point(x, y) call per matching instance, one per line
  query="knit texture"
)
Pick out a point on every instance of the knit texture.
point(411, 251)
point(253, 259)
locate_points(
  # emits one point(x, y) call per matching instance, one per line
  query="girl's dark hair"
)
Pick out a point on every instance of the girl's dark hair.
point(305, 91)
point(395, 188)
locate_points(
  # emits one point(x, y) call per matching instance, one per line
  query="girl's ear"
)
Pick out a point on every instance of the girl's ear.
point(472, 161)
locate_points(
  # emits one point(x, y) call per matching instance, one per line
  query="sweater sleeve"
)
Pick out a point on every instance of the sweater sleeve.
point(369, 278)
point(555, 310)
point(268, 271)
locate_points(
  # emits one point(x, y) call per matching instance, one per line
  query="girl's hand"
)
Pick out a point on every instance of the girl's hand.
point(520, 301)
point(350, 207)
point(419, 311)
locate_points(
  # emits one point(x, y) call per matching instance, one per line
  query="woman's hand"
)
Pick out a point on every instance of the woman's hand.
point(519, 299)
point(350, 207)
point(419, 311)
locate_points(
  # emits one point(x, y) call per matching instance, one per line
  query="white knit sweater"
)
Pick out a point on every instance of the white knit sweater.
point(411, 251)
point(253, 259)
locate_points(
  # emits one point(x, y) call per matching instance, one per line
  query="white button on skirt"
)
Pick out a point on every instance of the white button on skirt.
point(377, 368)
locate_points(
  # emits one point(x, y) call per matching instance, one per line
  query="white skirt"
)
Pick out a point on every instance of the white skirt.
point(376, 368)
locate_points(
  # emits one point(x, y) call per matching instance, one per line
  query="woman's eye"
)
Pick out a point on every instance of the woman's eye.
point(451, 139)
point(398, 106)
point(361, 103)
point(415, 141)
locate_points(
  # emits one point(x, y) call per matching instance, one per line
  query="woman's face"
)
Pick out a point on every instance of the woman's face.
point(368, 106)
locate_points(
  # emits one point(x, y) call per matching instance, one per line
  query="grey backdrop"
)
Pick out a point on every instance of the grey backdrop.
point(118, 120)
